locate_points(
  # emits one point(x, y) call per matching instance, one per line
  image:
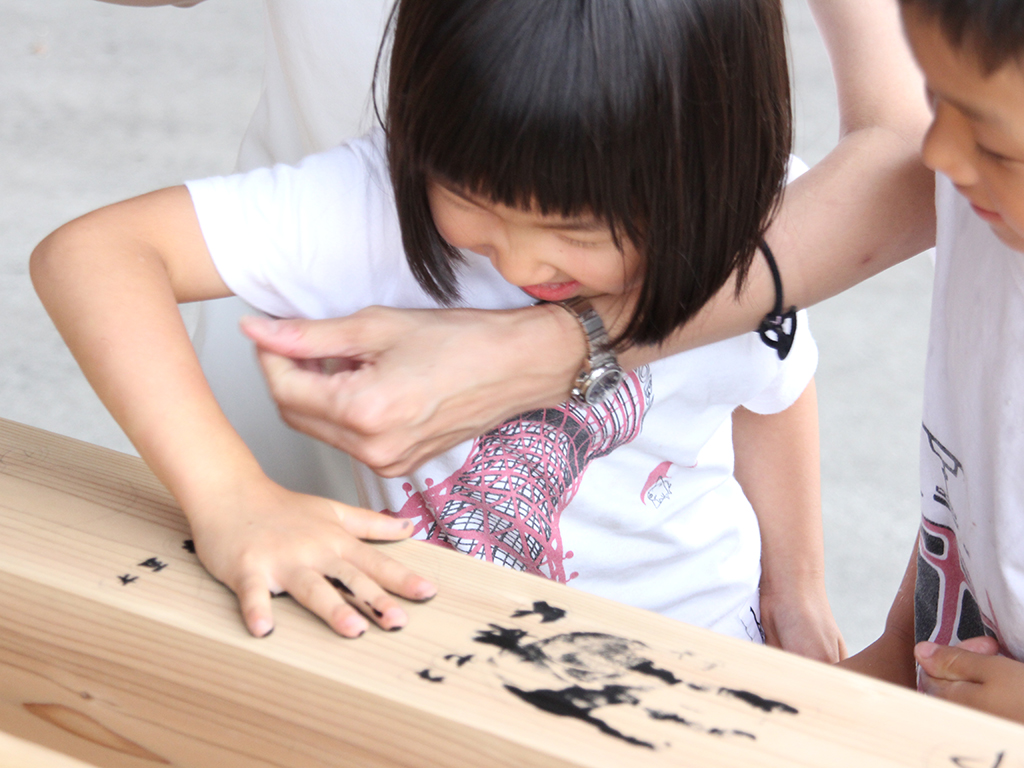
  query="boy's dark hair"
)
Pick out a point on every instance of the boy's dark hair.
point(992, 29)
point(668, 119)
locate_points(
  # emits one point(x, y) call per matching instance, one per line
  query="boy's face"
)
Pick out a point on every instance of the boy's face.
point(977, 133)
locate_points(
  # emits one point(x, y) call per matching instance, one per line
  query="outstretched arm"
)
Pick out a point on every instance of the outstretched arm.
point(777, 466)
point(111, 281)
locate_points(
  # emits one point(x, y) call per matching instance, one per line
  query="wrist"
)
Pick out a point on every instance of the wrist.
point(556, 337)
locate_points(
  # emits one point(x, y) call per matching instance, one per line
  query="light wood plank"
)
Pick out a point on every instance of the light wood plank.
point(18, 753)
point(160, 670)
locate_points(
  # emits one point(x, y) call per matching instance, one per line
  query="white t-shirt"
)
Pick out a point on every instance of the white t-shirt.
point(633, 500)
point(970, 572)
point(316, 79)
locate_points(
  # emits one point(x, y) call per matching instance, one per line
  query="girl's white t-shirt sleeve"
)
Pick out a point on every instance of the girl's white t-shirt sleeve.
point(297, 241)
point(794, 373)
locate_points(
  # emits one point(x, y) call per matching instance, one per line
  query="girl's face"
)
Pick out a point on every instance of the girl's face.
point(550, 257)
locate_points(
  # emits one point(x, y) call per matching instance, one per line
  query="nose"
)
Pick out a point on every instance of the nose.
point(949, 146)
point(520, 259)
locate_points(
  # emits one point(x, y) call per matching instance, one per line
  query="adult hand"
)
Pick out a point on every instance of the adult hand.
point(801, 622)
point(395, 387)
point(974, 675)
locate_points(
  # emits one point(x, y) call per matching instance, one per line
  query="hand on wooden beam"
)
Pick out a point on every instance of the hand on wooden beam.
point(268, 541)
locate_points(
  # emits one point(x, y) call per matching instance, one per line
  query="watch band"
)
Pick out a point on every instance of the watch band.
point(603, 374)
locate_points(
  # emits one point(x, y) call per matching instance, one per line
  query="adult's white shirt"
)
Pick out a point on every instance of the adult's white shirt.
point(316, 93)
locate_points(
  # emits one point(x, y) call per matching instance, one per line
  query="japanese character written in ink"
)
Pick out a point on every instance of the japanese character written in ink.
point(153, 564)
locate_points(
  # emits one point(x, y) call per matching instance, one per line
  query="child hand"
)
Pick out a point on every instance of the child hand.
point(267, 540)
point(801, 623)
point(974, 675)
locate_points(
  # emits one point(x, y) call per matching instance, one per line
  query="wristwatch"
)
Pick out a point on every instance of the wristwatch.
point(602, 374)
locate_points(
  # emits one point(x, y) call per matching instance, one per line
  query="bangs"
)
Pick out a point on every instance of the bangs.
point(503, 127)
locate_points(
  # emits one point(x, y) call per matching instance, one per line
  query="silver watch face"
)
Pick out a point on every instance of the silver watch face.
point(602, 383)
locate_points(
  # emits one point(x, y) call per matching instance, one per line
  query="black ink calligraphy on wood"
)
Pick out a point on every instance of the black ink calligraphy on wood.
point(547, 612)
point(128, 579)
point(153, 564)
point(426, 675)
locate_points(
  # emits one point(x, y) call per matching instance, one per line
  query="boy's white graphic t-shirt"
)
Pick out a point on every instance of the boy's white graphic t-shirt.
point(970, 569)
point(633, 500)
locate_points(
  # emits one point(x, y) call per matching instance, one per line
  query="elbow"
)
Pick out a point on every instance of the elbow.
point(50, 262)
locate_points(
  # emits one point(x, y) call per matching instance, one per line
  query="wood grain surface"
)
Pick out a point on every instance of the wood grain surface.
point(118, 649)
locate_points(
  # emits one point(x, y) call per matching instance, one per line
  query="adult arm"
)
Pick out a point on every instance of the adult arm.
point(430, 380)
point(111, 281)
point(778, 467)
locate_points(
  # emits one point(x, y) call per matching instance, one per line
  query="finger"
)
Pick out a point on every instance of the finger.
point(335, 337)
point(254, 601)
point(294, 386)
point(946, 663)
point(366, 524)
point(367, 596)
point(388, 572)
point(983, 644)
point(310, 589)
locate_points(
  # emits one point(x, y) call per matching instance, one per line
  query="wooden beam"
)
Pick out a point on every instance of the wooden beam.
point(117, 648)
point(18, 753)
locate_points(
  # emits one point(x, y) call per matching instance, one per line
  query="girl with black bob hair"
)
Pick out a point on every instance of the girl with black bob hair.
point(571, 149)
point(669, 120)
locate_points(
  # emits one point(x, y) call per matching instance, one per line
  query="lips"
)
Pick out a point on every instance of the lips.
point(987, 215)
point(552, 291)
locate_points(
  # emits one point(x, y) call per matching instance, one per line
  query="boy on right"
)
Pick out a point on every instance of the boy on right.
point(967, 574)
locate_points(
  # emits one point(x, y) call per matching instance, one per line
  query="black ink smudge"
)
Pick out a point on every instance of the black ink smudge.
point(547, 612)
point(339, 584)
point(189, 546)
point(674, 718)
point(580, 702)
point(378, 614)
point(127, 579)
point(646, 667)
point(459, 660)
point(965, 762)
point(153, 564)
point(508, 640)
point(425, 674)
point(765, 705)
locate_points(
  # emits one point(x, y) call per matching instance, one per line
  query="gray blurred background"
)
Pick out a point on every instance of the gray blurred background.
point(100, 102)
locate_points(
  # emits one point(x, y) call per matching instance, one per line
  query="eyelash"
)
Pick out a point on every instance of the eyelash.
point(990, 154)
point(580, 243)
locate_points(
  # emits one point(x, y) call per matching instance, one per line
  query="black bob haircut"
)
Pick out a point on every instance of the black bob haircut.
point(669, 120)
point(993, 29)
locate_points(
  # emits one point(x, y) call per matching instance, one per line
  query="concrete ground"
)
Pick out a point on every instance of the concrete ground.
point(99, 102)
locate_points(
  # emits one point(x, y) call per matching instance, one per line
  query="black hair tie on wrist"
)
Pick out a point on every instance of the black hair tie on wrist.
point(778, 328)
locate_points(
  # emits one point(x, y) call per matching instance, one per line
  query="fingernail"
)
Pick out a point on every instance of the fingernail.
point(262, 628)
point(925, 650)
point(427, 592)
point(354, 626)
